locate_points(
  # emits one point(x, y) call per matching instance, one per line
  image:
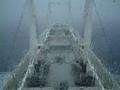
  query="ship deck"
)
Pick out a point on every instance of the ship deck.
point(58, 63)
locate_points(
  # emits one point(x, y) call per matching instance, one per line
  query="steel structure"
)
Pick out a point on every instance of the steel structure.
point(59, 60)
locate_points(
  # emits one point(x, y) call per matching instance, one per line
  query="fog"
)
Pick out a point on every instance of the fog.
point(105, 36)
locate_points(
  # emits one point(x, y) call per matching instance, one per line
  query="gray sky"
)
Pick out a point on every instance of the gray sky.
point(11, 10)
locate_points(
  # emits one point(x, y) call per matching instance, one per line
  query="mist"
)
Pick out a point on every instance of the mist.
point(106, 42)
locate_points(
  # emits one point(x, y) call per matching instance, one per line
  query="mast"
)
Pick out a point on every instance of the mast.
point(88, 25)
point(33, 35)
point(54, 3)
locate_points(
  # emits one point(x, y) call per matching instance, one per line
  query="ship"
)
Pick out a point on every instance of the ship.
point(60, 60)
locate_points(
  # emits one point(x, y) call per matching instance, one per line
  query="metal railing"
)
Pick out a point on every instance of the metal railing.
point(106, 79)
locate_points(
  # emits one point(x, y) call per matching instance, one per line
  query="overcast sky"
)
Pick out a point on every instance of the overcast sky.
point(11, 9)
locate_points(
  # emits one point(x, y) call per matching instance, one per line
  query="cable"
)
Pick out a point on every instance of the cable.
point(16, 32)
point(102, 28)
point(35, 17)
point(19, 24)
point(70, 12)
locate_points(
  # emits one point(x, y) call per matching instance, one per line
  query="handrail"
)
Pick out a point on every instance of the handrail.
point(105, 76)
point(18, 73)
point(106, 79)
point(27, 72)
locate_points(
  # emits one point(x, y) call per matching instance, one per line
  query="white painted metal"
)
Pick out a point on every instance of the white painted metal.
point(33, 35)
point(62, 71)
point(88, 25)
point(54, 3)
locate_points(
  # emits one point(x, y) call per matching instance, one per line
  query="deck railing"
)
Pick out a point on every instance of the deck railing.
point(18, 73)
point(106, 79)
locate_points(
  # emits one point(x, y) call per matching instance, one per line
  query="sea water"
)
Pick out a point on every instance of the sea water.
point(3, 78)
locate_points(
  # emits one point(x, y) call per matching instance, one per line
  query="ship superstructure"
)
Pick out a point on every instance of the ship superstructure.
point(59, 64)
point(60, 60)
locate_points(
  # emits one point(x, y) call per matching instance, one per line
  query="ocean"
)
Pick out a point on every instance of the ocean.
point(3, 77)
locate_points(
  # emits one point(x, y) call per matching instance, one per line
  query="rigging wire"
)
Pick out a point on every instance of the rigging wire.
point(70, 12)
point(48, 14)
point(35, 17)
point(102, 28)
point(19, 24)
point(26, 3)
point(16, 34)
